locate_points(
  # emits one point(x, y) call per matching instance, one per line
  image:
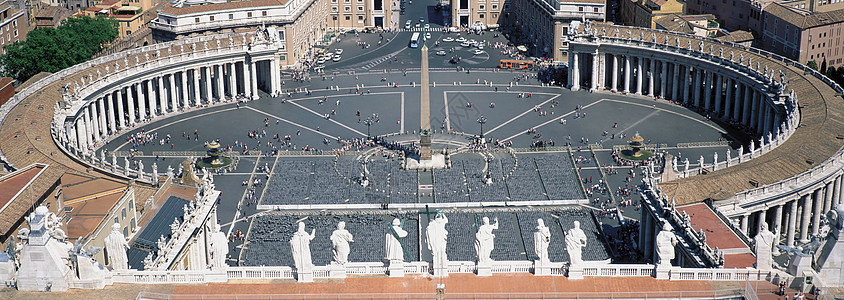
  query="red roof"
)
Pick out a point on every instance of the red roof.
point(719, 235)
point(14, 182)
point(108, 2)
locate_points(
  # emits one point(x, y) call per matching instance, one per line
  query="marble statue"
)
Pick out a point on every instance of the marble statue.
point(126, 166)
point(219, 248)
point(575, 241)
point(170, 171)
point(116, 246)
point(300, 245)
point(686, 163)
point(541, 240)
point(485, 241)
point(394, 249)
point(700, 46)
point(154, 172)
point(728, 155)
point(665, 242)
point(700, 161)
point(102, 156)
point(140, 169)
point(340, 240)
point(437, 236)
point(113, 160)
point(677, 42)
point(764, 241)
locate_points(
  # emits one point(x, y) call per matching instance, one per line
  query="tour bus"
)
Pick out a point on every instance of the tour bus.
point(515, 64)
point(414, 40)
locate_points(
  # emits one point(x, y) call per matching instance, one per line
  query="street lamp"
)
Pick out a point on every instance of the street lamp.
point(368, 122)
point(482, 120)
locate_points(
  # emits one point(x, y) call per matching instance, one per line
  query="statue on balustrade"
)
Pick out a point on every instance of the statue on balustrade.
point(437, 237)
point(764, 243)
point(300, 246)
point(485, 241)
point(541, 240)
point(340, 240)
point(219, 248)
point(575, 241)
point(665, 242)
point(116, 246)
point(395, 252)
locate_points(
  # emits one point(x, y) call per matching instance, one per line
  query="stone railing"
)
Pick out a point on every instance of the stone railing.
point(259, 273)
point(422, 205)
point(168, 277)
point(749, 274)
point(195, 218)
point(619, 270)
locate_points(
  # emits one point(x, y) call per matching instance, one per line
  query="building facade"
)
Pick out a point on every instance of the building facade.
point(542, 25)
point(645, 13)
point(360, 14)
point(479, 13)
point(700, 25)
point(13, 24)
point(803, 35)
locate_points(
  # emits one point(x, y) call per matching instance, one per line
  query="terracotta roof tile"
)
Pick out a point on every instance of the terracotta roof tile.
point(220, 6)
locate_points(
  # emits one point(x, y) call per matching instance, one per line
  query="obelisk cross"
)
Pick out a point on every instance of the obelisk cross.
point(425, 126)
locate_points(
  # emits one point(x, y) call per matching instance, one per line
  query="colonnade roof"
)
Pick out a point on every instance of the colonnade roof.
point(815, 141)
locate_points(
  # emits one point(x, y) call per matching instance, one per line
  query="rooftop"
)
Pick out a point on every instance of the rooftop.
point(719, 235)
point(177, 11)
point(737, 36)
point(804, 19)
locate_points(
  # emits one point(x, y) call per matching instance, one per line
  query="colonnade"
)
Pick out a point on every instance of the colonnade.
point(798, 218)
point(719, 93)
point(171, 91)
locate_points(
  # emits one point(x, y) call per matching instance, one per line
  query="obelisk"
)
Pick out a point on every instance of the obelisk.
point(425, 126)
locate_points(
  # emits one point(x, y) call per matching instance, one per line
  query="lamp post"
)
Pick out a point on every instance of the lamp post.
point(482, 120)
point(368, 122)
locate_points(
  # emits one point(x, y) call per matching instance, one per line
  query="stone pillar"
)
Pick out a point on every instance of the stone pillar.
point(627, 74)
point(754, 110)
point(816, 216)
point(614, 73)
point(253, 75)
point(233, 79)
point(184, 89)
point(744, 221)
point(101, 117)
point(763, 218)
point(728, 101)
point(663, 82)
point(93, 125)
point(685, 87)
point(719, 89)
point(575, 71)
point(130, 99)
point(196, 87)
point(827, 202)
point(652, 73)
point(595, 76)
point(760, 124)
point(676, 82)
point(221, 86)
point(707, 92)
point(792, 222)
point(81, 141)
point(572, 69)
point(748, 106)
point(151, 96)
point(110, 102)
point(836, 196)
point(173, 102)
point(778, 220)
point(247, 76)
point(769, 115)
point(209, 95)
point(120, 110)
point(639, 73)
point(804, 220)
point(698, 75)
point(775, 125)
point(142, 100)
point(737, 102)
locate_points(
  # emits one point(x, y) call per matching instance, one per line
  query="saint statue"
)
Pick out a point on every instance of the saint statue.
point(485, 241)
point(340, 239)
point(219, 248)
point(116, 246)
point(437, 236)
point(541, 240)
point(300, 246)
point(575, 241)
point(764, 241)
point(665, 242)
point(394, 247)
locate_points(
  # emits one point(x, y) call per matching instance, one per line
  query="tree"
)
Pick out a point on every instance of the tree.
point(812, 64)
point(53, 49)
point(823, 66)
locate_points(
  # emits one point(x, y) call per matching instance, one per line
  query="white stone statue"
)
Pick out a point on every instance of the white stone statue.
point(665, 242)
point(219, 248)
point(126, 166)
point(394, 249)
point(140, 169)
point(102, 157)
point(764, 241)
point(437, 236)
point(686, 165)
point(340, 239)
point(575, 241)
point(154, 172)
point(300, 245)
point(485, 241)
point(541, 240)
point(116, 246)
point(700, 161)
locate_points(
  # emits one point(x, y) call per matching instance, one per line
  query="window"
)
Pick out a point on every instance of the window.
point(281, 35)
point(481, 16)
point(495, 6)
point(348, 18)
point(249, 14)
point(580, 8)
point(483, 7)
point(15, 23)
point(264, 13)
point(494, 16)
point(196, 20)
point(125, 231)
point(16, 32)
point(348, 9)
point(360, 18)
point(360, 8)
point(115, 220)
point(334, 18)
point(595, 9)
point(212, 18)
point(333, 9)
point(123, 213)
point(231, 16)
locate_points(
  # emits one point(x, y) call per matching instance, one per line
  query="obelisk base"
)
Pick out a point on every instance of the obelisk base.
point(437, 161)
point(425, 147)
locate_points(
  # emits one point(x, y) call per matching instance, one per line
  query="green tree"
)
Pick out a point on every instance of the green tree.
point(812, 64)
point(823, 66)
point(52, 49)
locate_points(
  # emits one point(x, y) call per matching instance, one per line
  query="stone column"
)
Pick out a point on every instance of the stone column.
point(595, 76)
point(233, 79)
point(627, 74)
point(221, 85)
point(698, 75)
point(760, 124)
point(101, 117)
point(728, 101)
point(827, 202)
point(749, 106)
point(707, 90)
point(572, 69)
point(754, 110)
point(836, 198)
point(575, 71)
point(173, 97)
point(769, 115)
point(151, 96)
point(737, 102)
point(196, 87)
point(763, 218)
point(81, 141)
point(685, 87)
point(792, 223)
point(651, 74)
point(130, 100)
point(816, 216)
point(639, 73)
point(778, 220)
point(614, 72)
point(775, 124)
point(748, 100)
point(663, 82)
point(110, 102)
point(804, 220)
point(253, 75)
point(120, 108)
point(719, 89)
point(247, 80)
point(744, 221)
point(184, 89)
point(142, 100)
point(676, 82)
point(93, 125)
point(209, 95)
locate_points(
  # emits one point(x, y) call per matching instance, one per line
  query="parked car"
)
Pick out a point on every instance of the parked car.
point(338, 51)
point(460, 39)
point(441, 53)
point(336, 58)
point(478, 52)
point(448, 39)
point(466, 44)
point(427, 26)
point(321, 60)
point(407, 24)
point(428, 36)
